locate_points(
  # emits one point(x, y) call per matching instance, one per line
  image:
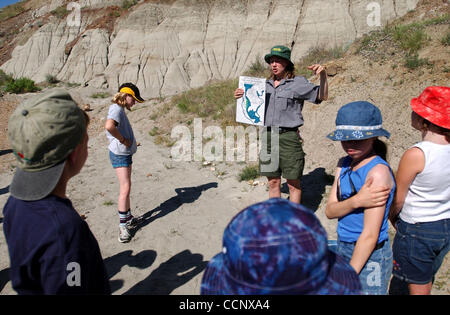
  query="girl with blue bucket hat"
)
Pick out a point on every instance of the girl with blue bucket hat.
point(361, 195)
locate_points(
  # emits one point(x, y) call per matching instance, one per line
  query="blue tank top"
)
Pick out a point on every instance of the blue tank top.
point(350, 226)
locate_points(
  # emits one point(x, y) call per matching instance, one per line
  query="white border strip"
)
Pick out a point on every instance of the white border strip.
point(346, 127)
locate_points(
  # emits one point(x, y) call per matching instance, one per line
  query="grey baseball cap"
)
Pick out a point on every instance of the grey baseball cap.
point(43, 131)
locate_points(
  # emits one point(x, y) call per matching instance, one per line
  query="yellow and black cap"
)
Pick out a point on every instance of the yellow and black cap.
point(131, 89)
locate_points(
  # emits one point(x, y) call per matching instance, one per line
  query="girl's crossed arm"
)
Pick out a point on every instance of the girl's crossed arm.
point(372, 194)
point(373, 219)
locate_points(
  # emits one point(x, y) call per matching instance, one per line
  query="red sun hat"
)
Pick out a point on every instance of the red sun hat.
point(434, 105)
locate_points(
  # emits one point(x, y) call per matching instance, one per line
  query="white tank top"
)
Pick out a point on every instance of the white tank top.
point(428, 197)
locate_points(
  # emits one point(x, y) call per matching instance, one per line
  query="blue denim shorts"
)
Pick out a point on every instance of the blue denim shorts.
point(419, 250)
point(377, 271)
point(120, 160)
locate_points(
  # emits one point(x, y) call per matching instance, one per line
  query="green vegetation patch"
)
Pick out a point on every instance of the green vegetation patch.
point(317, 55)
point(249, 172)
point(60, 12)
point(22, 85)
point(214, 100)
point(126, 4)
point(409, 38)
point(100, 95)
point(446, 39)
point(11, 11)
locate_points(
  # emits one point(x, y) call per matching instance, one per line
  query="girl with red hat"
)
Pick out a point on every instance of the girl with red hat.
point(421, 209)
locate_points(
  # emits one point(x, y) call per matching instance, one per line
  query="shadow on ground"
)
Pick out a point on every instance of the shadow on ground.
point(184, 195)
point(313, 187)
point(171, 274)
point(4, 278)
point(115, 263)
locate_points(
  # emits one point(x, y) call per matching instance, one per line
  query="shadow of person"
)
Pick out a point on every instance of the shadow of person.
point(171, 274)
point(3, 152)
point(4, 278)
point(184, 195)
point(4, 190)
point(313, 186)
point(115, 263)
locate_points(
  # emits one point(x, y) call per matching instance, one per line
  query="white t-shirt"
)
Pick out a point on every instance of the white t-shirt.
point(428, 197)
point(117, 113)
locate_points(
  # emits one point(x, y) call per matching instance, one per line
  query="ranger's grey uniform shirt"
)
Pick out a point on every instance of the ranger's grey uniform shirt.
point(284, 103)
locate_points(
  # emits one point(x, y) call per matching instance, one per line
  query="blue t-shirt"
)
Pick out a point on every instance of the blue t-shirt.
point(350, 226)
point(117, 113)
point(51, 249)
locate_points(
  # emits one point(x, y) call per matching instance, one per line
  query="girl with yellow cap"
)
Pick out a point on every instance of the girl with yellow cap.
point(122, 146)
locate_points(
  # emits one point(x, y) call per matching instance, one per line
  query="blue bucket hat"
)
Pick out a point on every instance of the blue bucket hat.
point(358, 121)
point(277, 247)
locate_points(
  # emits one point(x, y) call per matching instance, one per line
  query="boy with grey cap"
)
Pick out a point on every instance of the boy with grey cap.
point(51, 249)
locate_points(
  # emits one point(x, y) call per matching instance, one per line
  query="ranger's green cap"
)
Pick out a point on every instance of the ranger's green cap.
point(43, 131)
point(280, 51)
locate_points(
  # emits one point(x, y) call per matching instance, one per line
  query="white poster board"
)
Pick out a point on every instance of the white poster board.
point(250, 108)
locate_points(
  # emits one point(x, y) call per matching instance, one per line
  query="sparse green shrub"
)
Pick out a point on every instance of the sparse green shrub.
point(5, 78)
point(213, 100)
point(126, 4)
point(22, 85)
point(257, 68)
point(446, 39)
point(318, 55)
point(100, 95)
point(114, 14)
point(411, 37)
point(51, 79)
point(164, 140)
point(249, 172)
point(183, 107)
point(414, 62)
point(154, 131)
point(443, 19)
point(11, 11)
point(60, 12)
point(72, 84)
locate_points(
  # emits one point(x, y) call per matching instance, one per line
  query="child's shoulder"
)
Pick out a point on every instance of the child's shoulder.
point(115, 111)
point(426, 146)
point(115, 107)
point(381, 173)
point(53, 215)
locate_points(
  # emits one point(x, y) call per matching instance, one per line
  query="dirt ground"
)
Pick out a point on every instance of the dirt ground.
point(186, 205)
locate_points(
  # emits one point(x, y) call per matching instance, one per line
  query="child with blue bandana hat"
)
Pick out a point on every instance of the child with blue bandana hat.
point(361, 194)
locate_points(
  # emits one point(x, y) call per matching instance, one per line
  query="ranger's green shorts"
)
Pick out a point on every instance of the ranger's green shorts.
point(291, 157)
